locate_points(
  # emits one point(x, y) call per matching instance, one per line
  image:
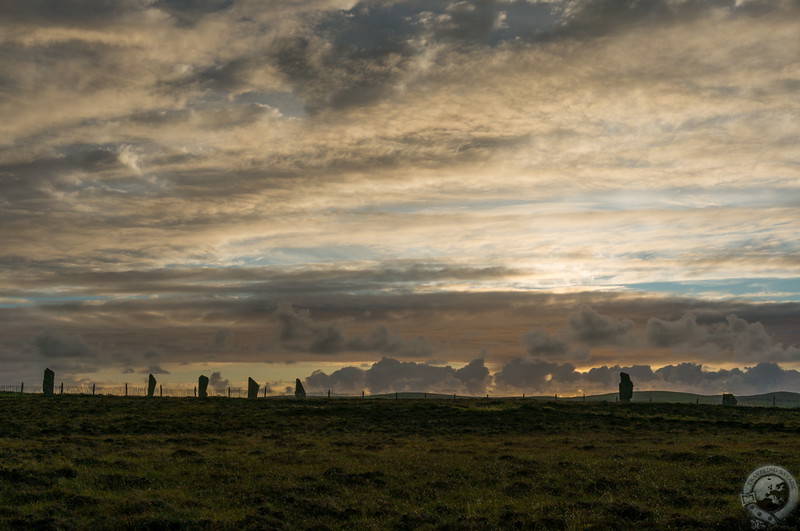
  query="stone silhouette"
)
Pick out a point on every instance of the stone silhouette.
point(151, 385)
point(252, 388)
point(728, 399)
point(625, 387)
point(299, 391)
point(202, 387)
point(49, 382)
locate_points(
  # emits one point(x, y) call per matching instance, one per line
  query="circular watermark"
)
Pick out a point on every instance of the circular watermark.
point(769, 495)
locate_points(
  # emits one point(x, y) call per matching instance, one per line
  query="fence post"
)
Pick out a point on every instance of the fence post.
point(93, 388)
point(62, 388)
point(454, 396)
point(195, 391)
point(126, 389)
point(160, 389)
point(395, 394)
point(773, 400)
point(425, 395)
point(229, 392)
point(265, 390)
point(362, 394)
point(329, 393)
point(22, 388)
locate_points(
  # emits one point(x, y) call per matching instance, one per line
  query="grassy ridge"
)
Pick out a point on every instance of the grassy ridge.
point(74, 462)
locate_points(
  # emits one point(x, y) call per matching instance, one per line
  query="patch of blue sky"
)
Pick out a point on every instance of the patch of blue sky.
point(683, 198)
point(447, 206)
point(759, 289)
point(287, 103)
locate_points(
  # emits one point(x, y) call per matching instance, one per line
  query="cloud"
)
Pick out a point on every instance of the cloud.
point(390, 375)
point(540, 343)
point(216, 382)
point(155, 369)
point(661, 333)
point(299, 331)
point(222, 338)
point(590, 327)
point(152, 353)
point(58, 344)
point(297, 326)
point(208, 159)
point(348, 380)
point(536, 375)
point(742, 339)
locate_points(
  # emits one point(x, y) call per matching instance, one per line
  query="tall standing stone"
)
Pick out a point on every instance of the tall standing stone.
point(202, 387)
point(625, 387)
point(49, 383)
point(299, 391)
point(151, 385)
point(252, 388)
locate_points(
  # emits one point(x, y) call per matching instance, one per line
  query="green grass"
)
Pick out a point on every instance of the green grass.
point(77, 462)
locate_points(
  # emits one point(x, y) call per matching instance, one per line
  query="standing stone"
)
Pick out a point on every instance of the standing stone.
point(202, 387)
point(252, 388)
point(625, 387)
point(49, 382)
point(728, 399)
point(151, 385)
point(299, 391)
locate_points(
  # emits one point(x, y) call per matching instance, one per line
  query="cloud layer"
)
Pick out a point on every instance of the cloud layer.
point(592, 182)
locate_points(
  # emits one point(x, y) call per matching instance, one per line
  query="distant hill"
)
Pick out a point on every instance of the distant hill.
point(779, 398)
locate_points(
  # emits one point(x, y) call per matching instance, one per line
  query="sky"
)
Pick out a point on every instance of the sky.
point(473, 196)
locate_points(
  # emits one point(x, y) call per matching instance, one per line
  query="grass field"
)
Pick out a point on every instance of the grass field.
point(100, 462)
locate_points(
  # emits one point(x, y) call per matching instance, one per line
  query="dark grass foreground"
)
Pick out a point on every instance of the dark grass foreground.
point(83, 462)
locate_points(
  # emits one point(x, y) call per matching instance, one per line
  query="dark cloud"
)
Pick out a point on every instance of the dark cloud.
point(382, 340)
point(155, 369)
point(348, 380)
point(536, 375)
point(744, 340)
point(76, 13)
point(661, 333)
point(354, 57)
point(58, 344)
point(475, 376)
point(152, 353)
point(390, 375)
point(188, 13)
point(589, 326)
point(539, 343)
point(299, 331)
point(222, 338)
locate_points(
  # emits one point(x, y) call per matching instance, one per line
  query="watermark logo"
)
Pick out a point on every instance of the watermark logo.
point(769, 495)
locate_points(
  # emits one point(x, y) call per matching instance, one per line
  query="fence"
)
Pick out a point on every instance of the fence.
point(132, 390)
point(241, 392)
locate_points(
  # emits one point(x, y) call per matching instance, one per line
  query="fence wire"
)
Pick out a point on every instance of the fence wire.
point(241, 392)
